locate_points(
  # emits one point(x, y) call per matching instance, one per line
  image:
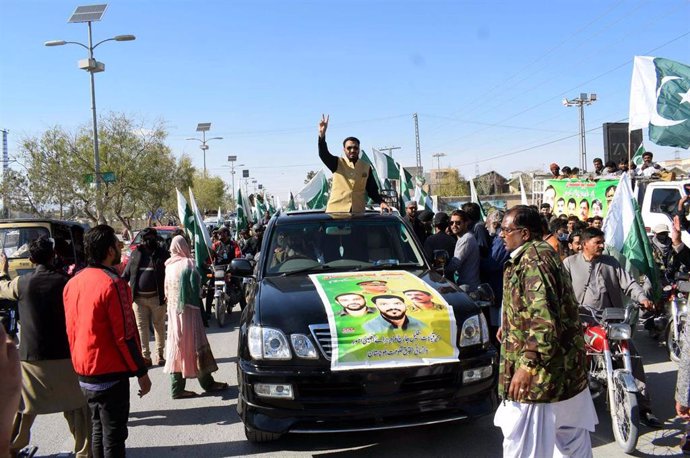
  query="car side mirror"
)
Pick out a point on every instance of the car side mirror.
point(483, 295)
point(440, 258)
point(240, 268)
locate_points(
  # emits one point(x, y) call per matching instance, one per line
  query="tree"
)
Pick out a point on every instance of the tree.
point(310, 174)
point(60, 177)
point(209, 192)
point(451, 183)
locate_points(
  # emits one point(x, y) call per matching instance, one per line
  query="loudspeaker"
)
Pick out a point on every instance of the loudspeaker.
point(616, 141)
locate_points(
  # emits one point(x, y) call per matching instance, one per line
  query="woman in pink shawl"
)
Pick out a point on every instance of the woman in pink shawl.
point(188, 352)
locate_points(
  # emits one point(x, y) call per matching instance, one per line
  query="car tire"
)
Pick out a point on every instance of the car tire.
point(256, 436)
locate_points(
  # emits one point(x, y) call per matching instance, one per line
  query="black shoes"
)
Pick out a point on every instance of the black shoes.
point(650, 420)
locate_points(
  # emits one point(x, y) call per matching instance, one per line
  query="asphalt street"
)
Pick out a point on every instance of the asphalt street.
point(209, 427)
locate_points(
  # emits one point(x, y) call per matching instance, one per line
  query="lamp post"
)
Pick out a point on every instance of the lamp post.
point(204, 127)
point(438, 157)
point(232, 160)
point(90, 14)
point(580, 102)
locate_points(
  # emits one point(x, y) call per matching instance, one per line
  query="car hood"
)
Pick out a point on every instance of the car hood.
point(292, 303)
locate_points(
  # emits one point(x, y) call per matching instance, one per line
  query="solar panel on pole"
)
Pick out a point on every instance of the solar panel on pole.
point(88, 13)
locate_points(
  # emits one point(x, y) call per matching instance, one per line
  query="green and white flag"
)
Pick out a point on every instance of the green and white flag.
point(386, 167)
point(624, 231)
point(269, 202)
point(259, 206)
point(242, 221)
point(381, 184)
point(315, 193)
point(277, 204)
point(406, 186)
point(291, 203)
point(637, 157)
point(201, 239)
point(474, 197)
point(423, 200)
point(185, 214)
point(660, 100)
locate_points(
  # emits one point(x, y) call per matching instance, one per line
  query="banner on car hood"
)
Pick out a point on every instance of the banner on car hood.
point(385, 319)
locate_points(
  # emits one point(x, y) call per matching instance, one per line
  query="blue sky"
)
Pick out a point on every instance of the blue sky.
point(486, 78)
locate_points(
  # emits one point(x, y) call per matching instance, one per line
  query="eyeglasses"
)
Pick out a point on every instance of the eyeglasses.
point(507, 231)
point(456, 223)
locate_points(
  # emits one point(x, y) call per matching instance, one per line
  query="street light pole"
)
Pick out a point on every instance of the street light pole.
point(204, 127)
point(580, 102)
point(89, 14)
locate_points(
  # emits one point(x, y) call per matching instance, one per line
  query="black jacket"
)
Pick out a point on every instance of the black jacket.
point(43, 333)
point(131, 272)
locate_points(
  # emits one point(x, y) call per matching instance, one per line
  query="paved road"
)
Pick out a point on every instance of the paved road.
point(208, 426)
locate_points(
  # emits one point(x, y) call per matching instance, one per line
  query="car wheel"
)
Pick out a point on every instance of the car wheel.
point(256, 436)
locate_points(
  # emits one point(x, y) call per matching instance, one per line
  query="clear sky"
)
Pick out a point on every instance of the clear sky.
point(485, 77)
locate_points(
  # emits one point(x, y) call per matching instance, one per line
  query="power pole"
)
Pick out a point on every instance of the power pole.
point(580, 102)
point(416, 137)
point(5, 168)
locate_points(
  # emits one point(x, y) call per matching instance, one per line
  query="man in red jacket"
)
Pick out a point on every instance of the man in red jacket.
point(104, 341)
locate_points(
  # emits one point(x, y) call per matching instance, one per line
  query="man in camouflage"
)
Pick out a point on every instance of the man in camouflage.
point(542, 377)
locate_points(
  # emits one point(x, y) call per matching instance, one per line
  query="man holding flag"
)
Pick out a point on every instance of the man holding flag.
point(352, 179)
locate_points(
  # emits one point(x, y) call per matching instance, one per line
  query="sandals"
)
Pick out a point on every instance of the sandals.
point(184, 395)
point(217, 386)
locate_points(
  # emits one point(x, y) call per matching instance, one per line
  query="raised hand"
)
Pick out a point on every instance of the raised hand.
point(675, 231)
point(323, 125)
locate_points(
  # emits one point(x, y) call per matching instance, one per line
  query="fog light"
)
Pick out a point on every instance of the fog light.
point(273, 390)
point(476, 374)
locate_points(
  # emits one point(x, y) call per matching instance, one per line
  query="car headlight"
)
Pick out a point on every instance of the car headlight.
point(619, 331)
point(471, 333)
point(485, 328)
point(303, 346)
point(268, 343)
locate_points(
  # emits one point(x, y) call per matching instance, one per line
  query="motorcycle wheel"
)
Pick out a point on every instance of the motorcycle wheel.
point(221, 312)
point(674, 346)
point(625, 417)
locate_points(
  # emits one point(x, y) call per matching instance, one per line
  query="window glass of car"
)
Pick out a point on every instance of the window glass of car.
point(14, 242)
point(664, 200)
point(352, 244)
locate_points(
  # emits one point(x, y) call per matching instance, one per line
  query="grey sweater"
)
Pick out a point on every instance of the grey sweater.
point(601, 283)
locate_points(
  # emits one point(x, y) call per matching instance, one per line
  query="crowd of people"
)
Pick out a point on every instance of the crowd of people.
point(84, 335)
point(610, 169)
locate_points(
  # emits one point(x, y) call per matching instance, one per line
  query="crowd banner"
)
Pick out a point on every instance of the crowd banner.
point(582, 198)
point(384, 319)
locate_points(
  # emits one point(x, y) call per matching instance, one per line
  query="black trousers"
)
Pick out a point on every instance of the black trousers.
point(109, 415)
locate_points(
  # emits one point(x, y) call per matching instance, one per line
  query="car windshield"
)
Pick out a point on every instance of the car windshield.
point(346, 245)
point(163, 236)
point(15, 241)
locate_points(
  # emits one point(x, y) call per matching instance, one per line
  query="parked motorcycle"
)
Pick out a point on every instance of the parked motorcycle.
point(607, 336)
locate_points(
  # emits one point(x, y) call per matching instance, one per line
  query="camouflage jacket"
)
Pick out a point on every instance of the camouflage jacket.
point(541, 326)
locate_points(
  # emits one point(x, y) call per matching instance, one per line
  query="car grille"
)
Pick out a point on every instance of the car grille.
point(322, 335)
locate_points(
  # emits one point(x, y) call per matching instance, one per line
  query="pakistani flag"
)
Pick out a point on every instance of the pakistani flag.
point(406, 186)
point(315, 193)
point(381, 184)
point(624, 231)
point(474, 197)
point(271, 208)
point(637, 157)
point(386, 167)
point(241, 210)
point(291, 203)
point(185, 214)
point(259, 206)
point(201, 239)
point(660, 100)
point(422, 198)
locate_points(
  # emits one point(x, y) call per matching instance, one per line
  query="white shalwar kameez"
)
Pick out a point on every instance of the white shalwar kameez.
point(544, 430)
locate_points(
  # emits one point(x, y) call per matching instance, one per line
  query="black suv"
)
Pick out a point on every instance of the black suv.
point(284, 370)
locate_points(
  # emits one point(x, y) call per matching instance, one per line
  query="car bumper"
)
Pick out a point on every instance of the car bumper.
point(325, 401)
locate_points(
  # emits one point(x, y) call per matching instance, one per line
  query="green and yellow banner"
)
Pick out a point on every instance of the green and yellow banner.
point(384, 319)
point(582, 198)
